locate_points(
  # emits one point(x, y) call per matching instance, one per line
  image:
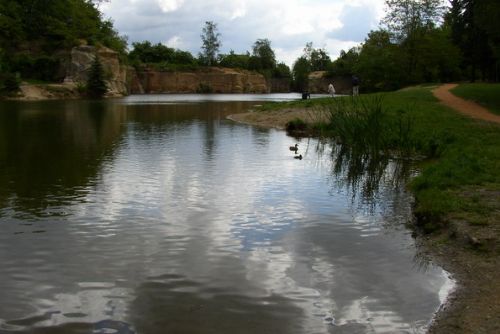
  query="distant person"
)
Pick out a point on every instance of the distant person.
point(331, 90)
point(355, 85)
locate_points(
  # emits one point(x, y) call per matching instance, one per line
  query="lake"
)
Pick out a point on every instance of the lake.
point(156, 214)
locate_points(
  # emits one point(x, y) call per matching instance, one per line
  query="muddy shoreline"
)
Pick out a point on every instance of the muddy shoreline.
point(474, 305)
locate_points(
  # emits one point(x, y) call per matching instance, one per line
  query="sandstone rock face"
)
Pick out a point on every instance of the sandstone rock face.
point(280, 85)
point(134, 84)
point(209, 80)
point(81, 60)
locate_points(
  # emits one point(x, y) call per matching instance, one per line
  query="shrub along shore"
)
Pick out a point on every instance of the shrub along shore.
point(457, 192)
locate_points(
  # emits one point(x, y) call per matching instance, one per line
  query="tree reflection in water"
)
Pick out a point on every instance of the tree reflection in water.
point(375, 182)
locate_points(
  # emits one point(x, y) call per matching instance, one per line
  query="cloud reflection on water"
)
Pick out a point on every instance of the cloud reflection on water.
point(193, 222)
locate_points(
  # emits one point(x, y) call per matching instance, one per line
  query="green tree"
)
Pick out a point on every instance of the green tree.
point(234, 60)
point(301, 70)
point(345, 64)
point(96, 86)
point(211, 43)
point(36, 34)
point(318, 59)
point(404, 17)
point(282, 71)
point(379, 63)
point(263, 51)
point(311, 60)
point(163, 57)
point(475, 30)
point(409, 21)
point(145, 52)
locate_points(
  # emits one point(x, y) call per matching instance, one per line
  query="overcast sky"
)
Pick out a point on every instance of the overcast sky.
point(331, 24)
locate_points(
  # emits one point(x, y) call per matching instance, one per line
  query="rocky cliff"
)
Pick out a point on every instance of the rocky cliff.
point(205, 80)
point(81, 60)
point(280, 85)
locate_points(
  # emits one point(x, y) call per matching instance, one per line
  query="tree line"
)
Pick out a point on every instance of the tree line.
point(426, 41)
point(261, 58)
point(418, 41)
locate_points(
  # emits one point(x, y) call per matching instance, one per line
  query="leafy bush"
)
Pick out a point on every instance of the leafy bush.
point(43, 68)
point(8, 83)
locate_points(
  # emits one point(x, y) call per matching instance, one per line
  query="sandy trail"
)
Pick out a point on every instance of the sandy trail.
point(465, 107)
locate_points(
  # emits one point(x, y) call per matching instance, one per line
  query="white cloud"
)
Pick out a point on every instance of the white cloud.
point(169, 5)
point(175, 42)
point(333, 24)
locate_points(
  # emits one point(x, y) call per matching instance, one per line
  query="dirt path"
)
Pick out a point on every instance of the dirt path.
point(465, 107)
point(475, 306)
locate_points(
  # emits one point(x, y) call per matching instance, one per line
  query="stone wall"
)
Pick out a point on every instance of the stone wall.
point(123, 80)
point(214, 80)
point(280, 85)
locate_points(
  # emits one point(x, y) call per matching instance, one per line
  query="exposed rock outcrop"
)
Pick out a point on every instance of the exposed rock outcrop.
point(29, 92)
point(280, 85)
point(206, 80)
point(81, 60)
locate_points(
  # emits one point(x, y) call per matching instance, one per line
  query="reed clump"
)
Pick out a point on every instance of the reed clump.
point(365, 125)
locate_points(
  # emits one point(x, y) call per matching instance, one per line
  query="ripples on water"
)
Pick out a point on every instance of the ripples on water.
point(132, 217)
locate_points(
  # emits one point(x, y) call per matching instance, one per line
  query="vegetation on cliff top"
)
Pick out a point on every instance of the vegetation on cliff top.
point(163, 58)
point(417, 42)
point(36, 36)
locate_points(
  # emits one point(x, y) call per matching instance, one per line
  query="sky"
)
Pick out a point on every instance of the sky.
point(334, 25)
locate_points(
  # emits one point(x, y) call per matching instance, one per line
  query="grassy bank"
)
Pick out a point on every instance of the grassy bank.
point(460, 178)
point(488, 95)
point(457, 191)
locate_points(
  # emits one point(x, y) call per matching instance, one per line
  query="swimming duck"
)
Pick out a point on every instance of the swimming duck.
point(294, 148)
point(298, 157)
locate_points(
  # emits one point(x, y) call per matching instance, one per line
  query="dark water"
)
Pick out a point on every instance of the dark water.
point(154, 215)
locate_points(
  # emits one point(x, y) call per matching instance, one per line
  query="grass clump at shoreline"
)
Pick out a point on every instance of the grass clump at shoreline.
point(365, 124)
point(486, 94)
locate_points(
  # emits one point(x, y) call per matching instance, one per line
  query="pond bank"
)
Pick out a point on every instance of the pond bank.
point(273, 118)
point(467, 249)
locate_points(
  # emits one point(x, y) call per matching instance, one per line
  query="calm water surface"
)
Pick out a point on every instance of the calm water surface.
point(155, 214)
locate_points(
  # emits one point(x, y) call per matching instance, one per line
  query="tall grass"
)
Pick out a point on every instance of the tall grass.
point(366, 125)
point(459, 156)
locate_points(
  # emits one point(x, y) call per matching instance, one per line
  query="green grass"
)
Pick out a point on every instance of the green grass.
point(467, 158)
point(462, 156)
point(487, 95)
